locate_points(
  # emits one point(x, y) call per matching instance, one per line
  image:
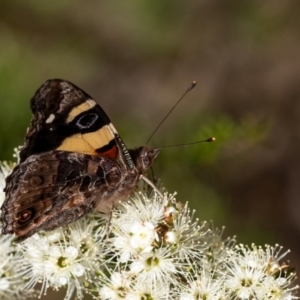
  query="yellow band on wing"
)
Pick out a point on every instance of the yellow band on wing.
point(88, 142)
point(87, 105)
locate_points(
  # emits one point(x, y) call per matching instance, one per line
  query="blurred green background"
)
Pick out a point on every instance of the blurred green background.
point(136, 58)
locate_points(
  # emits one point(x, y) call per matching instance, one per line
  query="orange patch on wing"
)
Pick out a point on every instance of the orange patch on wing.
point(111, 153)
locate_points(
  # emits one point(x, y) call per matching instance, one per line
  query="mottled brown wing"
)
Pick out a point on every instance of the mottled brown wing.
point(57, 187)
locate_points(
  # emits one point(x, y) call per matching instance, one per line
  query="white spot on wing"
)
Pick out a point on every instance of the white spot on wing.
point(112, 128)
point(91, 102)
point(50, 119)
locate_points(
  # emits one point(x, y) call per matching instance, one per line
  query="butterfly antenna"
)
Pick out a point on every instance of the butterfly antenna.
point(211, 139)
point(193, 84)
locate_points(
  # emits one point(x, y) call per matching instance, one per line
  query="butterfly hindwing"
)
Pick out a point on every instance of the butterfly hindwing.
point(56, 188)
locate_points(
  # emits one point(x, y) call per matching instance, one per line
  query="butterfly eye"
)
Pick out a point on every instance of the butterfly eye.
point(87, 120)
point(148, 158)
point(24, 216)
point(146, 162)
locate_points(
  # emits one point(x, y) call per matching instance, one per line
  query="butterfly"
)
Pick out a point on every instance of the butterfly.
point(73, 161)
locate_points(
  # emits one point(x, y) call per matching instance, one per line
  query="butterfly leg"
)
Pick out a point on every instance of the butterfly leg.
point(110, 215)
point(152, 185)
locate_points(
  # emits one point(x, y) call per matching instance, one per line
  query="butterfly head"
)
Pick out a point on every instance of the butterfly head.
point(144, 157)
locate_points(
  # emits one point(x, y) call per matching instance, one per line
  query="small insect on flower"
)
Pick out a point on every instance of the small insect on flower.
point(186, 235)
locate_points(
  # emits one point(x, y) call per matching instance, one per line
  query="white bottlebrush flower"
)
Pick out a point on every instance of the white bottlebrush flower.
point(11, 283)
point(121, 285)
point(134, 225)
point(89, 234)
point(253, 274)
point(5, 169)
point(142, 209)
point(186, 235)
point(205, 286)
point(215, 255)
point(154, 291)
point(54, 263)
point(156, 266)
point(116, 287)
point(64, 257)
point(133, 239)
